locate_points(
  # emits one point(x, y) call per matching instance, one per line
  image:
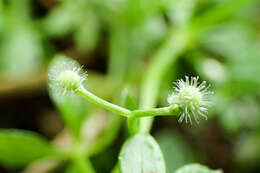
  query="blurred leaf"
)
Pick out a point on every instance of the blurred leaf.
point(74, 17)
point(228, 38)
point(19, 148)
point(209, 68)
point(175, 150)
point(21, 51)
point(152, 32)
point(247, 148)
point(21, 48)
point(236, 42)
point(136, 12)
point(61, 20)
point(141, 154)
point(182, 11)
point(87, 33)
point(196, 168)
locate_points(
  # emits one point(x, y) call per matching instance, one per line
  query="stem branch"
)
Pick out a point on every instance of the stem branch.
point(171, 110)
point(156, 112)
point(100, 102)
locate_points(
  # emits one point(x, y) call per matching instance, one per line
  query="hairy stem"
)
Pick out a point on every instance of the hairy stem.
point(100, 102)
point(171, 110)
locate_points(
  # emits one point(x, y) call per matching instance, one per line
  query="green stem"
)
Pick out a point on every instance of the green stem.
point(83, 164)
point(156, 112)
point(132, 115)
point(100, 102)
point(80, 160)
point(133, 125)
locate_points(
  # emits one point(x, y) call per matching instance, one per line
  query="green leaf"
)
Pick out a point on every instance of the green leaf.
point(28, 53)
point(196, 168)
point(128, 101)
point(61, 20)
point(19, 147)
point(141, 154)
point(87, 34)
point(182, 11)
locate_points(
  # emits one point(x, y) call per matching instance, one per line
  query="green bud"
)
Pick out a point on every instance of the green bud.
point(65, 75)
point(69, 80)
point(191, 97)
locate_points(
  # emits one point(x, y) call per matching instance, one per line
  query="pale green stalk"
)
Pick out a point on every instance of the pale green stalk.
point(102, 103)
point(171, 110)
point(83, 164)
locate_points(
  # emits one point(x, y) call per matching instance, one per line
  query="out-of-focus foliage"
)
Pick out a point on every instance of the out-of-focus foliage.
point(21, 48)
point(18, 148)
point(120, 38)
point(75, 17)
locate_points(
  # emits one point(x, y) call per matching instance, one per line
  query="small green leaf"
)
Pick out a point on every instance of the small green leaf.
point(28, 54)
point(128, 101)
point(19, 147)
point(61, 20)
point(196, 168)
point(87, 34)
point(141, 154)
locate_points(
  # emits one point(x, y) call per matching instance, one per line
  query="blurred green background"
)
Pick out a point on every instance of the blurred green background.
point(118, 41)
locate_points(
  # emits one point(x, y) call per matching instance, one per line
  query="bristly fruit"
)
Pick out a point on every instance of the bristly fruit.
point(65, 75)
point(191, 97)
